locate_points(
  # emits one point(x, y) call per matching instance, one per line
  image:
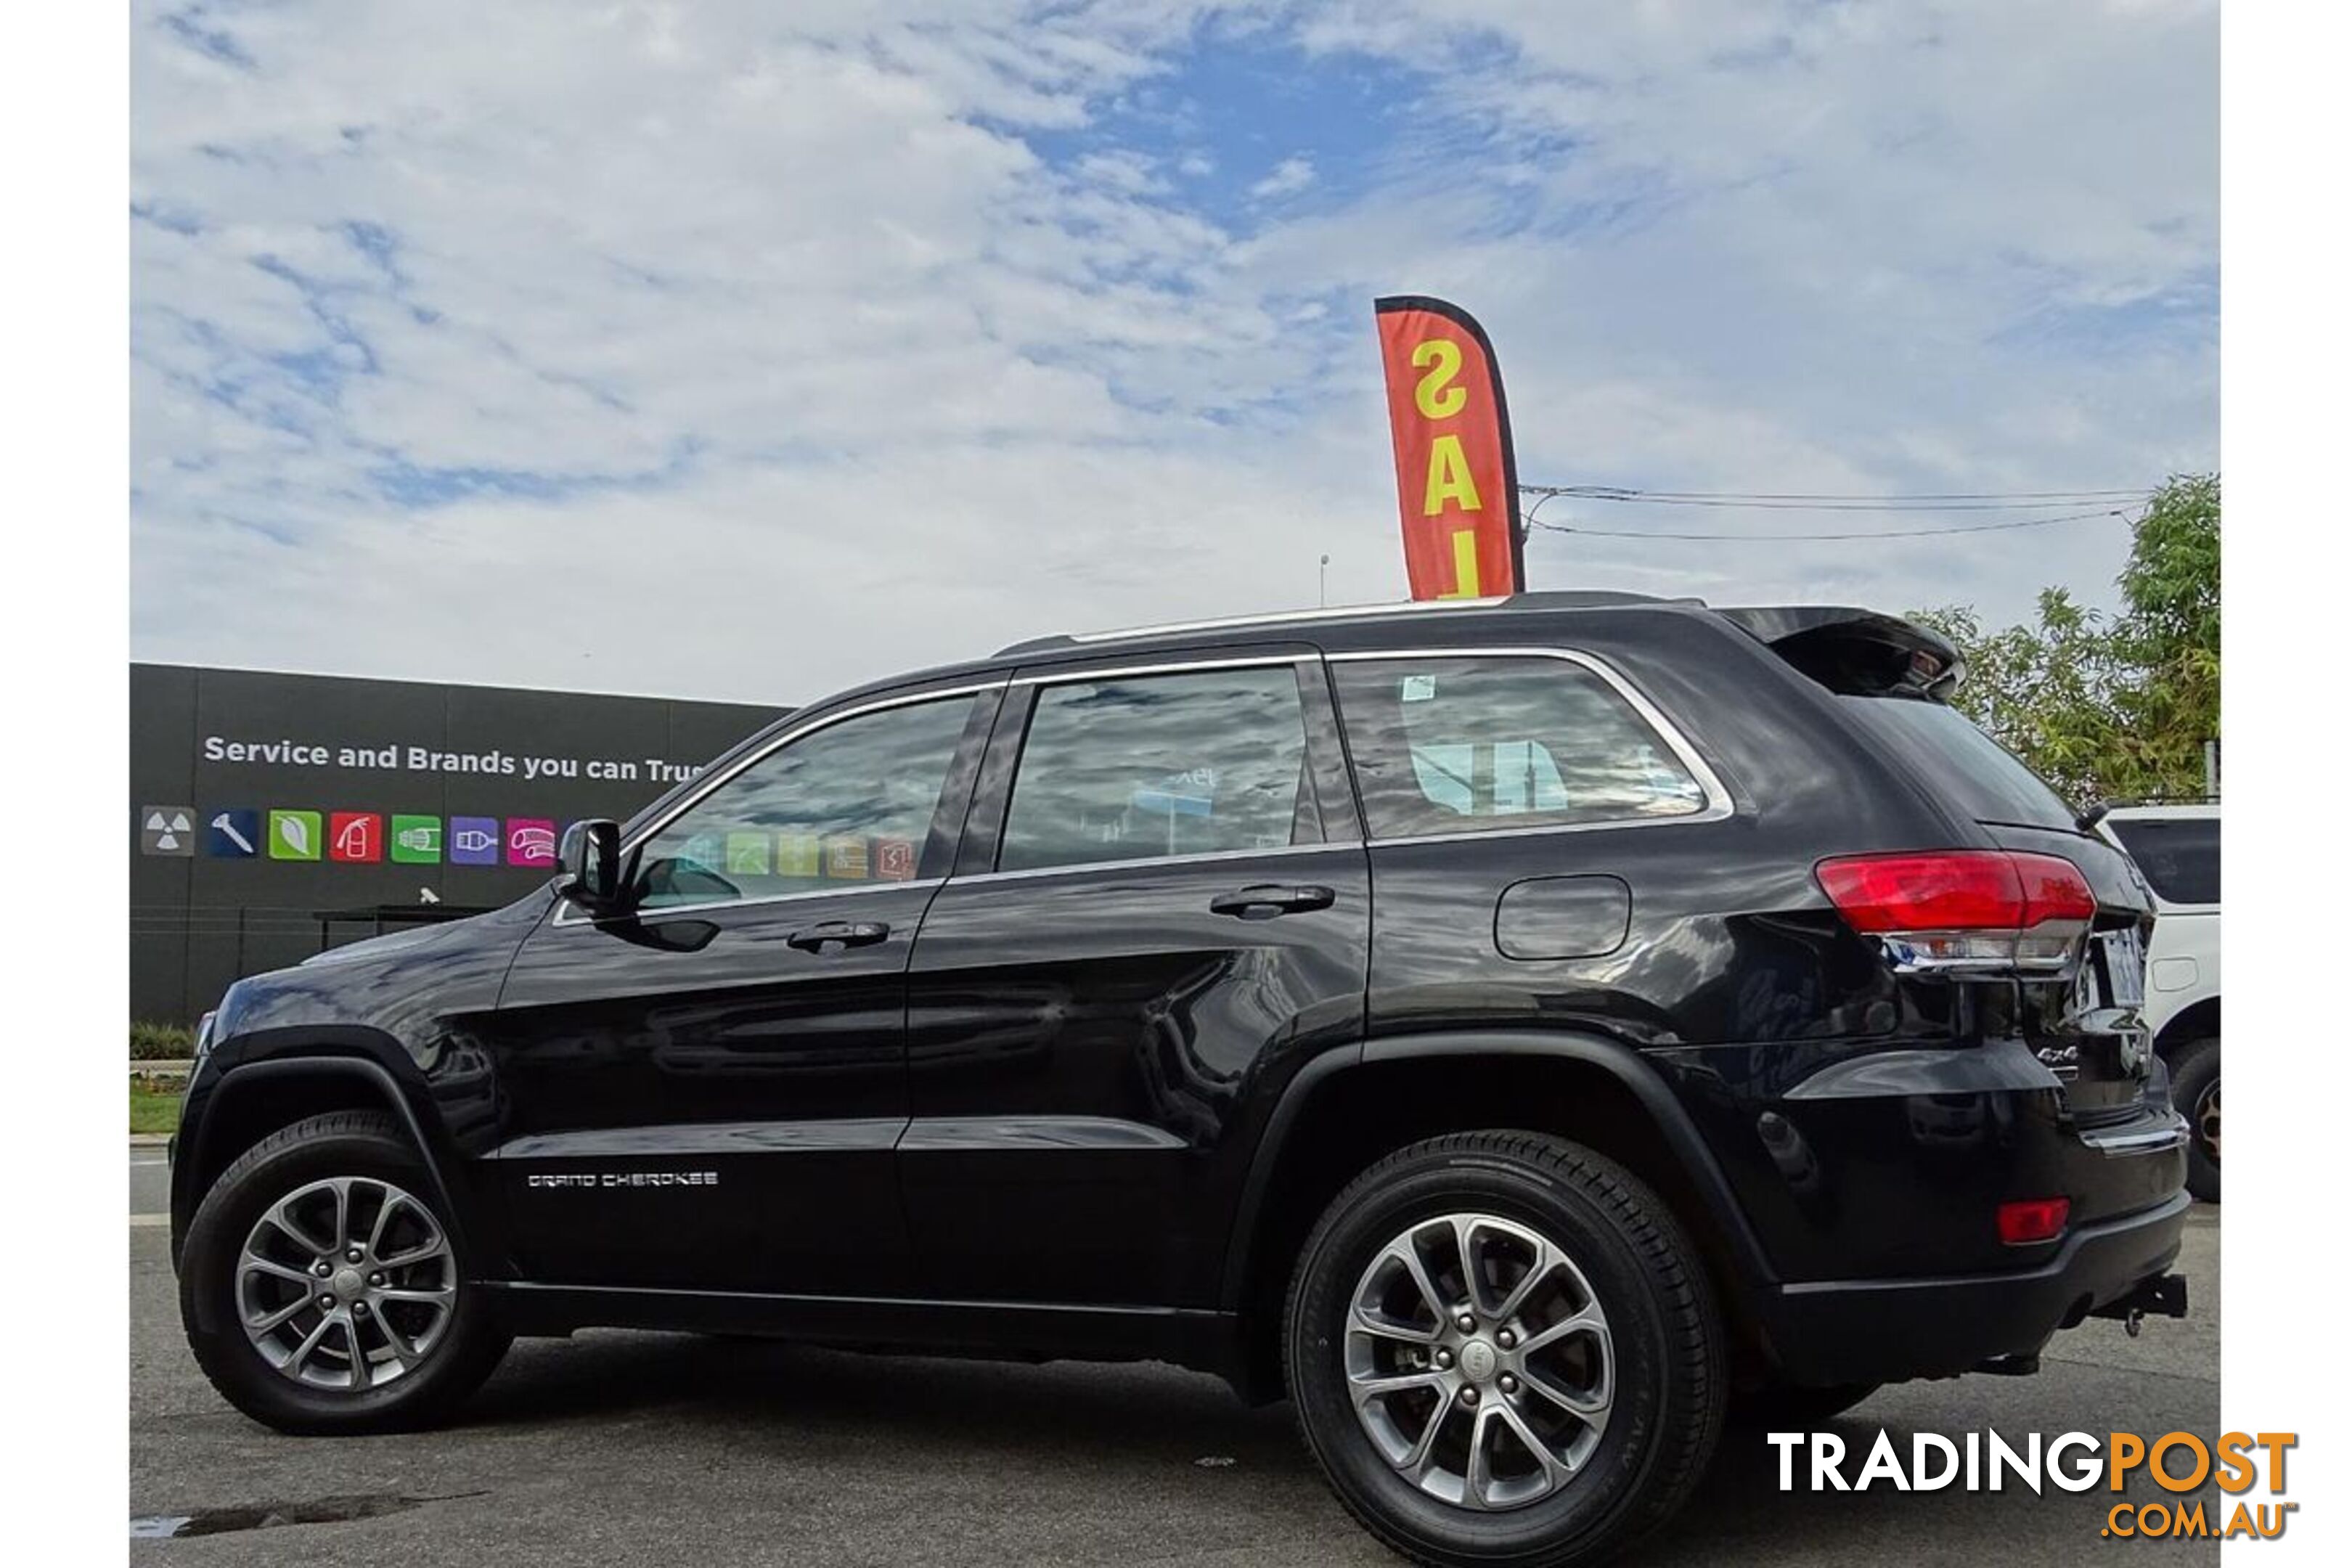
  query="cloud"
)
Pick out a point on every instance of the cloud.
point(742, 351)
point(1286, 178)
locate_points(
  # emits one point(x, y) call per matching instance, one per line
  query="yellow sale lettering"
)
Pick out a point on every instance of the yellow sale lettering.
point(1435, 395)
point(1449, 478)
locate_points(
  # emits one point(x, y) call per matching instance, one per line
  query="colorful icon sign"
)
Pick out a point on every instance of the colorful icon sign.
point(473, 841)
point(415, 840)
point(355, 837)
point(894, 859)
point(295, 835)
point(234, 833)
point(530, 841)
point(749, 855)
point(167, 830)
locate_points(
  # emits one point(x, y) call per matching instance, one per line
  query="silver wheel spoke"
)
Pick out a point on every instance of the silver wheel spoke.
point(359, 1352)
point(1546, 1260)
point(383, 1213)
point(1592, 1408)
point(1589, 1321)
point(284, 1314)
point(285, 1222)
point(310, 1342)
point(1480, 1476)
point(1554, 1471)
point(254, 1263)
point(436, 1247)
point(408, 1293)
point(1380, 1387)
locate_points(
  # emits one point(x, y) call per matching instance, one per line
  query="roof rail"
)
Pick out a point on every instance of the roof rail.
point(1552, 600)
point(2127, 802)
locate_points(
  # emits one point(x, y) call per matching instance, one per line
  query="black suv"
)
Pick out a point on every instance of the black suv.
point(1521, 1032)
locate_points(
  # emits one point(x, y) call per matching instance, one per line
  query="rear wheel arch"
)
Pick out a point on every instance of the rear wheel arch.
point(1342, 1113)
point(2200, 1020)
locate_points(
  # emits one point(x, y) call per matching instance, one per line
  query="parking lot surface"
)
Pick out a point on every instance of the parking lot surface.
point(628, 1449)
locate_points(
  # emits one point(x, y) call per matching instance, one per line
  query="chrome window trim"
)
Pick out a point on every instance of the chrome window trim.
point(665, 911)
point(714, 777)
point(1717, 803)
point(1077, 674)
point(1156, 862)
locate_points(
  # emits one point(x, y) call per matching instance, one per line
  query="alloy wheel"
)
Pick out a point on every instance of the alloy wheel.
point(1479, 1361)
point(2209, 1120)
point(347, 1283)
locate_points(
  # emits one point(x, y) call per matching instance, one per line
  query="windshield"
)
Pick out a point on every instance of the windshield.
point(1986, 779)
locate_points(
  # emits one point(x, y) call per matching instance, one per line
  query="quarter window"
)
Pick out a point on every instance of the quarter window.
point(1203, 763)
point(1467, 745)
point(847, 805)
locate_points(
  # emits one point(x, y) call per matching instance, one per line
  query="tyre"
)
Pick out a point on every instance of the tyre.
point(1795, 1407)
point(322, 1291)
point(1503, 1350)
point(2196, 1095)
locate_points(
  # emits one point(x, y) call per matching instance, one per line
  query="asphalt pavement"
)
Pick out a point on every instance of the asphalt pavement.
point(629, 1449)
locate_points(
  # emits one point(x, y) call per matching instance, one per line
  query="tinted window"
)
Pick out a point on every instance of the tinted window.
point(846, 805)
point(1166, 765)
point(2179, 856)
point(1453, 745)
point(1981, 777)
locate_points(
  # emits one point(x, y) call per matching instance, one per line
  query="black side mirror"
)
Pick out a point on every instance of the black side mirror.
point(591, 859)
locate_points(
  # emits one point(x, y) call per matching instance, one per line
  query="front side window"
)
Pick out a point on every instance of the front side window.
point(1146, 766)
point(1466, 746)
point(845, 807)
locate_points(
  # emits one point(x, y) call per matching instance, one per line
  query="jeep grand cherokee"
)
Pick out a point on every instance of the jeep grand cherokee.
point(1522, 1033)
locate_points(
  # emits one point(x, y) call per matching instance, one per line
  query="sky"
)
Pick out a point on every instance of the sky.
point(745, 351)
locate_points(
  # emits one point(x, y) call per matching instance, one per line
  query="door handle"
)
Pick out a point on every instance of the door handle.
point(1267, 899)
point(838, 933)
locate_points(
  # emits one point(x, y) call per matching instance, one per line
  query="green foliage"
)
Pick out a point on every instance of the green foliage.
point(154, 1109)
point(161, 1042)
point(2104, 707)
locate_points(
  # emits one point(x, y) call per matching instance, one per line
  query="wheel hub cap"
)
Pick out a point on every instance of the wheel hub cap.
point(346, 1284)
point(1497, 1413)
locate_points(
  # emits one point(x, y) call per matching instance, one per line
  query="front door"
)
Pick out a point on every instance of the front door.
point(1161, 907)
point(706, 1091)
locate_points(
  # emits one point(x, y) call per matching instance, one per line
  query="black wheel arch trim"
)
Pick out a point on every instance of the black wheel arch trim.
point(323, 1053)
point(1620, 1062)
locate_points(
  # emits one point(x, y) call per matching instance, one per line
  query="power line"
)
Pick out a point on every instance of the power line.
point(1859, 533)
point(1765, 501)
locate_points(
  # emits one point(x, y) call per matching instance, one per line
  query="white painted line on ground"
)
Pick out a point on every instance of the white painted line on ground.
point(137, 1220)
point(147, 1164)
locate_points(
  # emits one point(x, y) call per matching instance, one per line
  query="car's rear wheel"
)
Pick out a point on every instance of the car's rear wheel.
point(1504, 1350)
point(321, 1288)
point(2196, 1094)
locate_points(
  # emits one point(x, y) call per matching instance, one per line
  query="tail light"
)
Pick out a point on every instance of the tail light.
point(2029, 1220)
point(1981, 910)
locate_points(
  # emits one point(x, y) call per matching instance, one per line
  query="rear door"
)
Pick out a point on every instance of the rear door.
point(1161, 911)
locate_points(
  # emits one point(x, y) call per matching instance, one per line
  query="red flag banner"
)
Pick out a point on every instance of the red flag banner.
point(1457, 483)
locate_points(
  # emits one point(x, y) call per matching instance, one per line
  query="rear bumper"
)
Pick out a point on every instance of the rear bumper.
point(1884, 1330)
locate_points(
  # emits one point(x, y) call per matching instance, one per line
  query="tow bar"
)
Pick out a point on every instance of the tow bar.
point(2165, 1295)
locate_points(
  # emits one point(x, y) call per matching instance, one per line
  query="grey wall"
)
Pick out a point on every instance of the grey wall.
point(200, 918)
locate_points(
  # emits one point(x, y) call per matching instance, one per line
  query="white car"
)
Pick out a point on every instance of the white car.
point(2179, 850)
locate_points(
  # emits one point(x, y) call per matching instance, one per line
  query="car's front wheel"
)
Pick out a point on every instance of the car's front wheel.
point(1504, 1350)
point(321, 1288)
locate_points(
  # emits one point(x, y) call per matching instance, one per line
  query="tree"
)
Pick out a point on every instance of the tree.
point(2112, 707)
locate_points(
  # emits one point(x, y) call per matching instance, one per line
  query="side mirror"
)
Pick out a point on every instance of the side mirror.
point(591, 859)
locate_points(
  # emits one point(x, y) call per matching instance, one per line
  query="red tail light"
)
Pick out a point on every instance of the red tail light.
point(2029, 1220)
point(1964, 909)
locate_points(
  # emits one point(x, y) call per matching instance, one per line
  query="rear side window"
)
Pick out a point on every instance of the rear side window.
point(1468, 745)
point(1979, 775)
point(1149, 766)
point(2179, 856)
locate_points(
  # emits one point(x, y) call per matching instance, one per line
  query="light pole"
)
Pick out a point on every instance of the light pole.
point(1323, 583)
